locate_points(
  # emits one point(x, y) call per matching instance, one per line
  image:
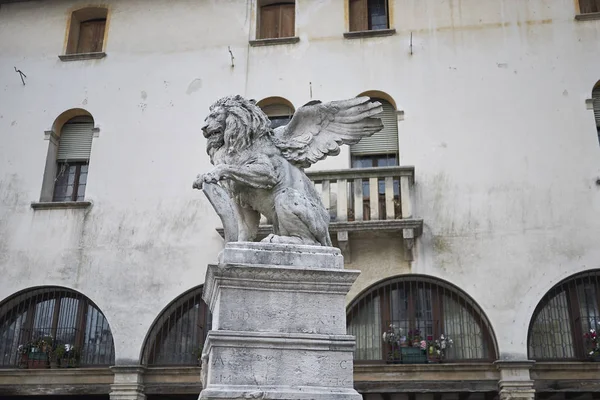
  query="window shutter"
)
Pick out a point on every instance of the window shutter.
point(596, 103)
point(269, 16)
point(278, 110)
point(589, 6)
point(384, 141)
point(76, 140)
point(358, 15)
point(287, 15)
point(91, 36)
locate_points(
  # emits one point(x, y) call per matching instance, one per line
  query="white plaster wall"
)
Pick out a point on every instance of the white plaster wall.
point(505, 151)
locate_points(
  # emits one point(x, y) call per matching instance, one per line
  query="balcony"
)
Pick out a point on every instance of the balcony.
point(366, 199)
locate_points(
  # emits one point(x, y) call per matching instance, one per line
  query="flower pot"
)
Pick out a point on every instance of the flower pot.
point(413, 355)
point(37, 360)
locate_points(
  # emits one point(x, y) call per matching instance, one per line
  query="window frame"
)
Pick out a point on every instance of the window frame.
point(259, 19)
point(568, 286)
point(437, 289)
point(76, 186)
point(73, 33)
point(25, 302)
point(366, 24)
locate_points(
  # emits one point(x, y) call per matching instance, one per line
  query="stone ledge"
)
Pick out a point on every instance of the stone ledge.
point(60, 381)
point(588, 16)
point(274, 41)
point(51, 205)
point(279, 341)
point(278, 392)
point(82, 56)
point(370, 33)
point(389, 225)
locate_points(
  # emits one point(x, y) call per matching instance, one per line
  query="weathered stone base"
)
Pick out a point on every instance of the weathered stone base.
point(279, 324)
point(279, 393)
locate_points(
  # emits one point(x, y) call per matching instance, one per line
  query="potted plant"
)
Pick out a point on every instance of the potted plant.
point(35, 354)
point(436, 349)
point(593, 345)
point(59, 354)
point(393, 337)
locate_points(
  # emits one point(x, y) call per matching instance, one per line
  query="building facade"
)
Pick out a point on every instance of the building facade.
point(472, 215)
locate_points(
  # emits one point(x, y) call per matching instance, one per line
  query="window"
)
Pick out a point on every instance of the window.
point(596, 104)
point(276, 19)
point(59, 317)
point(419, 309)
point(177, 336)
point(380, 149)
point(86, 31)
point(563, 317)
point(589, 6)
point(279, 110)
point(367, 15)
point(75, 144)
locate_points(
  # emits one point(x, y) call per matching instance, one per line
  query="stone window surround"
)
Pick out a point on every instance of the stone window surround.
point(47, 193)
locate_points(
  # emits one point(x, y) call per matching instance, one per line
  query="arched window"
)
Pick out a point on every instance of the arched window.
point(380, 149)
point(178, 334)
point(276, 19)
point(53, 325)
point(279, 110)
point(424, 320)
point(596, 105)
point(73, 156)
point(86, 31)
point(65, 176)
point(368, 15)
point(562, 321)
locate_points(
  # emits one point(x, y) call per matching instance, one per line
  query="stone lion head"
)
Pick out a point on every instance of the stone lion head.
point(233, 124)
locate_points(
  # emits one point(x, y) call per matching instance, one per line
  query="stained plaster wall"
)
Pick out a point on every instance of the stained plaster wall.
point(505, 151)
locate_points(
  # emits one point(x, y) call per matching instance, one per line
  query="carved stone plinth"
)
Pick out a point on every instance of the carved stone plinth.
point(279, 324)
point(127, 383)
point(515, 381)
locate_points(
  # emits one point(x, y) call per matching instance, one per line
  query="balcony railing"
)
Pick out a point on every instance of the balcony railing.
point(366, 199)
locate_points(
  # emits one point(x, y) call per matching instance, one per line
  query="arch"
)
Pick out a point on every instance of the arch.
point(563, 317)
point(86, 30)
point(380, 95)
point(423, 309)
point(177, 335)
point(53, 324)
point(278, 109)
point(67, 115)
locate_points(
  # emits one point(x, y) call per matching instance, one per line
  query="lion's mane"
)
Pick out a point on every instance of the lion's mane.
point(245, 122)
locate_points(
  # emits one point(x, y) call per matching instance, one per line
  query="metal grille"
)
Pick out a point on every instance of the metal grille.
point(53, 325)
point(178, 335)
point(420, 313)
point(564, 318)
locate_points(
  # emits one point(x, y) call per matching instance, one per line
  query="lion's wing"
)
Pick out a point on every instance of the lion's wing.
point(319, 129)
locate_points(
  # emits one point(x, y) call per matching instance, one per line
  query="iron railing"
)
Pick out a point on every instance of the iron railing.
point(567, 319)
point(411, 307)
point(49, 323)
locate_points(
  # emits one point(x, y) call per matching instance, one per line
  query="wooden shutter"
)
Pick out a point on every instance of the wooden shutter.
point(287, 18)
point(386, 140)
point(75, 142)
point(589, 6)
point(277, 21)
point(358, 15)
point(91, 36)
point(269, 24)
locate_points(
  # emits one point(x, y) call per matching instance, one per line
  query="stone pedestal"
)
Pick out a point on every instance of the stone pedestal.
point(515, 382)
point(127, 383)
point(279, 324)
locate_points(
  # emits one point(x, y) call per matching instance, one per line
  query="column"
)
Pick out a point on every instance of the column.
point(128, 383)
point(515, 382)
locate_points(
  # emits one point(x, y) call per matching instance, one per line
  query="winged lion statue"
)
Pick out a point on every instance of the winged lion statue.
point(259, 170)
